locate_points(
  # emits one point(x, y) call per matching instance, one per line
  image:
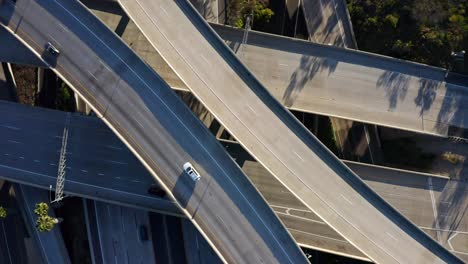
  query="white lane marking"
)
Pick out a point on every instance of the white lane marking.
point(101, 174)
point(299, 156)
point(450, 238)
point(98, 224)
point(37, 161)
point(205, 59)
point(118, 178)
point(52, 164)
point(434, 209)
point(15, 142)
point(105, 66)
point(302, 218)
point(64, 28)
point(85, 171)
point(6, 154)
point(11, 127)
point(346, 199)
point(444, 230)
point(114, 147)
point(29, 213)
point(390, 235)
point(54, 40)
point(295, 209)
point(135, 181)
point(164, 10)
point(116, 162)
point(138, 122)
point(184, 125)
point(284, 65)
point(6, 242)
point(252, 110)
point(463, 253)
point(300, 231)
point(84, 184)
point(92, 75)
point(21, 157)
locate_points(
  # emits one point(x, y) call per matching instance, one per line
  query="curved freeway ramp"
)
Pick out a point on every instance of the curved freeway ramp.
point(155, 124)
point(276, 139)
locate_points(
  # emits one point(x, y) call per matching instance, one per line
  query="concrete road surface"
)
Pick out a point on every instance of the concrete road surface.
point(119, 172)
point(276, 139)
point(325, 80)
point(328, 22)
point(158, 128)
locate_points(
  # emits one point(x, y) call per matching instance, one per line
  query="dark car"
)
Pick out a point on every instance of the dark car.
point(52, 49)
point(154, 189)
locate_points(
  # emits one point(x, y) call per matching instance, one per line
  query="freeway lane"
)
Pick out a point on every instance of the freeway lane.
point(158, 128)
point(325, 80)
point(41, 128)
point(353, 85)
point(328, 22)
point(87, 175)
point(276, 139)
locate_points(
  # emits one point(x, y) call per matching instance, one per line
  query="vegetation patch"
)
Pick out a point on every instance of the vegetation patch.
point(326, 134)
point(453, 158)
point(26, 83)
point(425, 31)
point(238, 10)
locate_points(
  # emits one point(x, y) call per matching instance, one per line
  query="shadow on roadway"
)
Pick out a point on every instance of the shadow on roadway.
point(307, 70)
point(183, 189)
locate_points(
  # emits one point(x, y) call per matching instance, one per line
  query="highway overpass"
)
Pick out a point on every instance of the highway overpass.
point(276, 139)
point(51, 245)
point(321, 79)
point(114, 175)
point(157, 127)
point(328, 22)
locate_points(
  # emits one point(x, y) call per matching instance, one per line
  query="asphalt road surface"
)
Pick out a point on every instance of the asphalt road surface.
point(122, 178)
point(51, 244)
point(159, 129)
point(118, 234)
point(321, 79)
point(276, 139)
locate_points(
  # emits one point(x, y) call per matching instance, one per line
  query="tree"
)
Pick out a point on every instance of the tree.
point(41, 209)
point(238, 9)
point(44, 222)
point(3, 212)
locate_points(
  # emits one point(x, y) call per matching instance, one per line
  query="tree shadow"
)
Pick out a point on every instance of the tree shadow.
point(452, 205)
point(451, 117)
point(395, 85)
point(426, 94)
point(309, 66)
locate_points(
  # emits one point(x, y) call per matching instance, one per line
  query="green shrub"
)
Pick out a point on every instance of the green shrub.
point(3, 212)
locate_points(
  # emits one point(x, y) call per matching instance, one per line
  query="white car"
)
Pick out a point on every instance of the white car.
point(190, 170)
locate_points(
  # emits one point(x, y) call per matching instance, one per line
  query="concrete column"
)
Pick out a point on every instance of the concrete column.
point(7, 83)
point(80, 104)
point(40, 79)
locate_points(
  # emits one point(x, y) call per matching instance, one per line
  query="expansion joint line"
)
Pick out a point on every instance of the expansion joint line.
point(62, 163)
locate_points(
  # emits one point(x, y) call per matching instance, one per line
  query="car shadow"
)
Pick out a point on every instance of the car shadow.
point(183, 189)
